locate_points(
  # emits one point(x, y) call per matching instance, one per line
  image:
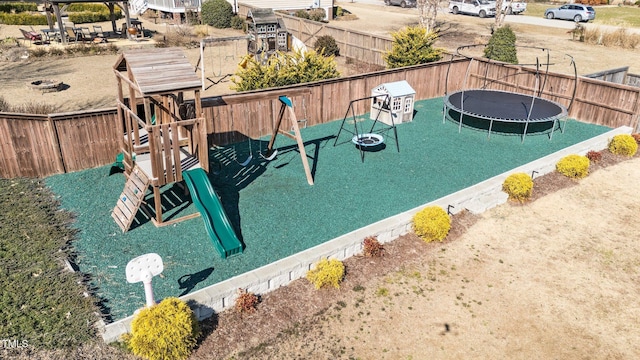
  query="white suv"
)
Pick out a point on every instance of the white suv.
point(481, 8)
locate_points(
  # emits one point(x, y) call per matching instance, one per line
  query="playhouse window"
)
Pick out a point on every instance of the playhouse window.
point(407, 105)
point(271, 28)
point(397, 104)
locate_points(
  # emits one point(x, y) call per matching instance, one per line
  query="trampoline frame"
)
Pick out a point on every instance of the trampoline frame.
point(537, 92)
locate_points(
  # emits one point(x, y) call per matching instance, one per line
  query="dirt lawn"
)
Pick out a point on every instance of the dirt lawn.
point(557, 278)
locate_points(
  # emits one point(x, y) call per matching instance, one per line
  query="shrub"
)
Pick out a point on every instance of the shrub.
point(90, 17)
point(594, 156)
point(502, 46)
point(636, 136)
point(372, 247)
point(237, 23)
point(317, 14)
point(18, 7)
point(327, 46)
point(518, 186)
point(623, 144)
point(168, 330)
point(573, 166)
point(246, 301)
point(284, 69)
point(217, 13)
point(303, 14)
point(432, 223)
point(326, 272)
point(412, 46)
point(23, 19)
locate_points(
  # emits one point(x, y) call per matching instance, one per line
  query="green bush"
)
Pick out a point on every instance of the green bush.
point(165, 331)
point(623, 144)
point(502, 46)
point(217, 13)
point(285, 69)
point(432, 223)
point(23, 19)
point(237, 23)
point(90, 17)
point(573, 166)
point(326, 272)
point(327, 46)
point(79, 7)
point(18, 7)
point(518, 186)
point(412, 46)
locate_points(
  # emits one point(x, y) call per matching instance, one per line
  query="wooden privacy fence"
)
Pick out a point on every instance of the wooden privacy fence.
point(41, 145)
point(364, 47)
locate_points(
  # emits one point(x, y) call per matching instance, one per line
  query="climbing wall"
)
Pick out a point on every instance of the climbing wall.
point(131, 198)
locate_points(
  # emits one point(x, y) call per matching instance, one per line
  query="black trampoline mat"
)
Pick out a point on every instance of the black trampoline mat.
point(505, 106)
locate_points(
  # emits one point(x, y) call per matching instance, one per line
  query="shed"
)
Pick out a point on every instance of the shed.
point(398, 105)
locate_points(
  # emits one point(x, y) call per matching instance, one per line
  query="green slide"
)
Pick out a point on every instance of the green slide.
point(215, 220)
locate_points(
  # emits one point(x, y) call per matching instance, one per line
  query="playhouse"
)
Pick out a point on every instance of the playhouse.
point(392, 103)
point(267, 34)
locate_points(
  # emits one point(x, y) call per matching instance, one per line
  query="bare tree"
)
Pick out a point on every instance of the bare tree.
point(428, 12)
point(499, 20)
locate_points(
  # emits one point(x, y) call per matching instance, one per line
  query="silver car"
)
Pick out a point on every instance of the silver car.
point(575, 12)
point(401, 3)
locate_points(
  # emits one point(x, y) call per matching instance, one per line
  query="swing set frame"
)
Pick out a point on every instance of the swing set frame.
point(201, 62)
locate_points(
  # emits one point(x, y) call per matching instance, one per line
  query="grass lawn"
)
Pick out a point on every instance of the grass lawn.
point(625, 16)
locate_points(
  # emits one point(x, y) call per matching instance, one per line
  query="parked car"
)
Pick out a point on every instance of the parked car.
point(512, 7)
point(401, 3)
point(575, 12)
point(481, 8)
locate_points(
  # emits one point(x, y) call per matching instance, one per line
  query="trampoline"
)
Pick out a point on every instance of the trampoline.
point(485, 108)
point(505, 107)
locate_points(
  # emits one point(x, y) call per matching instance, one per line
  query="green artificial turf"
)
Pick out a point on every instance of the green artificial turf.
point(276, 212)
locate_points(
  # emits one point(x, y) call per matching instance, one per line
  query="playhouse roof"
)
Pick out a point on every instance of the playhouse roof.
point(398, 88)
point(262, 16)
point(159, 70)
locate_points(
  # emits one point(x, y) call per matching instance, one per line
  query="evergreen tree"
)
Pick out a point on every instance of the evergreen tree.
point(502, 46)
point(412, 46)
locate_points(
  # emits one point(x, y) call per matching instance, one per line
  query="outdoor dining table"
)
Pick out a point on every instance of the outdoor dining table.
point(51, 34)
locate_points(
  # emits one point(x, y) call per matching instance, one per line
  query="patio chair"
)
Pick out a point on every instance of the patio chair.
point(99, 36)
point(86, 34)
point(32, 36)
point(72, 34)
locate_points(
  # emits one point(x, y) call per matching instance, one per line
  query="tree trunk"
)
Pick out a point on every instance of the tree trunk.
point(428, 13)
point(499, 20)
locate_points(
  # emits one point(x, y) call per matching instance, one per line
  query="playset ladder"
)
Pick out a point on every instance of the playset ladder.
point(131, 198)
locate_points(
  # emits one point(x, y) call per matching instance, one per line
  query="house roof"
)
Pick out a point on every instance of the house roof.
point(398, 88)
point(159, 70)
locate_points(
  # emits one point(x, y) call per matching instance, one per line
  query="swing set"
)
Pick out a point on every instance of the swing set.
point(271, 153)
point(222, 58)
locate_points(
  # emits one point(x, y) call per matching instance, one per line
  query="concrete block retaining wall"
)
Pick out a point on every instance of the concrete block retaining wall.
point(476, 198)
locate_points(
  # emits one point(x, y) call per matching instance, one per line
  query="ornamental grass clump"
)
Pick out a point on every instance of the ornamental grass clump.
point(573, 166)
point(518, 186)
point(166, 331)
point(326, 272)
point(623, 144)
point(432, 223)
